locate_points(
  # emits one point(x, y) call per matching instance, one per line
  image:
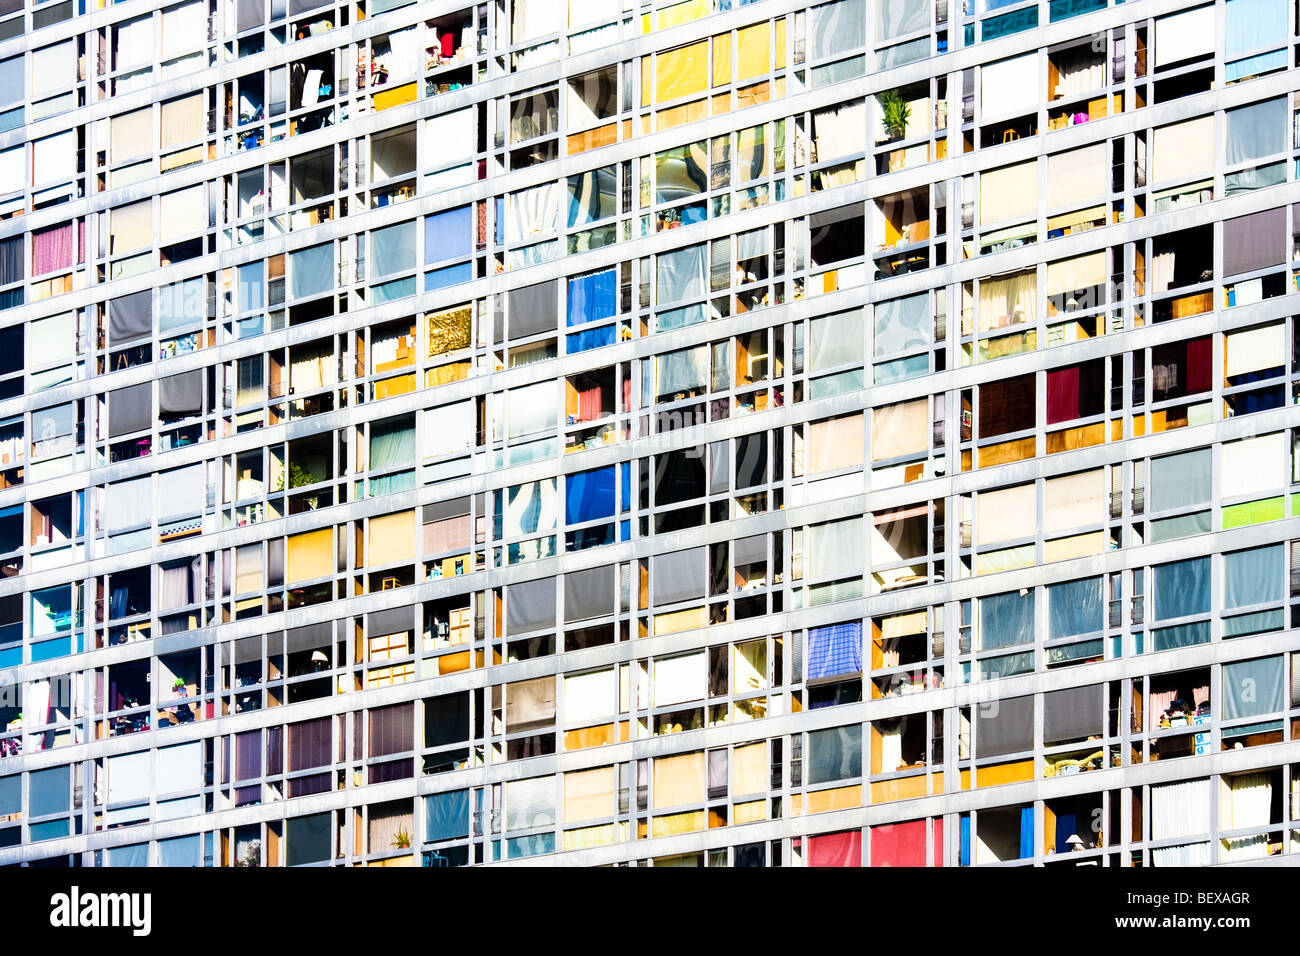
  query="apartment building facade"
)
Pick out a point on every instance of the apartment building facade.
point(438, 434)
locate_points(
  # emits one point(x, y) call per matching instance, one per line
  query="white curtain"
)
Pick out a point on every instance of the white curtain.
point(533, 212)
point(1180, 810)
point(1247, 802)
point(834, 549)
point(840, 131)
point(1011, 300)
point(1162, 271)
point(1081, 72)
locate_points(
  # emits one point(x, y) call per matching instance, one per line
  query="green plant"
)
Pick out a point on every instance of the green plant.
point(401, 839)
point(896, 113)
point(298, 476)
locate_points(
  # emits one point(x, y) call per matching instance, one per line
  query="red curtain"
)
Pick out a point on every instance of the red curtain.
point(589, 404)
point(1062, 395)
point(1198, 366)
point(836, 849)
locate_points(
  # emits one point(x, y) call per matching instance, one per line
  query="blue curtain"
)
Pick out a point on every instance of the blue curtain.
point(592, 297)
point(1253, 577)
point(1064, 830)
point(311, 270)
point(965, 840)
point(1026, 832)
point(1074, 607)
point(836, 649)
point(392, 250)
point(1251, 24)
point(1006, 620)
point(589, 495)
point(392, 443)
point(590, 339)
point(1182, 588)
point(447, 235)
point(451, 275)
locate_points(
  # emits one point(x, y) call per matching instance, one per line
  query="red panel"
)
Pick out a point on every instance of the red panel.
point(1198, 366)
point(898, 844)
point(1062, 395)
point(836, 849)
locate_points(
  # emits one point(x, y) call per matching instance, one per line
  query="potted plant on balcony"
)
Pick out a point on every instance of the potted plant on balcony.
point(401, 839)
point(895, 112)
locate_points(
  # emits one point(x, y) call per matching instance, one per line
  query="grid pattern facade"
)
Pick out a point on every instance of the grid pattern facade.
point(696, 433)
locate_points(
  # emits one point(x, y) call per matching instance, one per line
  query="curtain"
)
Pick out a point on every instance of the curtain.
point(1255, 241)
point(392, 442)
point(835, 28)
point(1006, 620)
point(1180, 810)
point(593, 196)
point(1183, 150)
point(530, 803)
point(1081, 70)
point(533, 212)
point(1180, 481)
point(592, 297)
point(1251, 24)
point(588, 594)
point(1256, 131)
point(1026, 832)
point(834, 549)
point(838, 132)
point(1253, 466)
point(1011, 87)
point(1249, 801)
point(835, 340)
point(1010, 300)
point(1074, 607)
point(312, 367)
point(835, 649)
point(1253, 577)
point(834, 754)
point(53, 249)
point(179, 585)
point(901, 325)
point(1181, 588)
point(392, 250)
point(682, 371)
point(590, 495)
point(680, 274)
point(311, 270)
point(1181, 36)
point(446, 815)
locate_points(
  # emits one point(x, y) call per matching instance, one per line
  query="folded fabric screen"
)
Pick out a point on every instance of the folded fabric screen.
point(592, 297)
point(590, 495)
point(1004, 727)
point(1254, 242)
point(533, 309)
point(1072, 714)
point(446, 815)
point(1253, 577)
point(181, 395)
point(835, 28)
point(530, 605)
point(448, 235)
point(588, 594)
point(130, 409)
point(835, 649)
point(834, 754)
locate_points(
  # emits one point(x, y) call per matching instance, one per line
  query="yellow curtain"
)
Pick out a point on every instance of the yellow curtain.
point(392, 538)
point(588, 794)
point(679, 780)
point(311, 555)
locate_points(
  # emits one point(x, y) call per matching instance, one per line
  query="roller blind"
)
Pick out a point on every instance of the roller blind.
point(54, 159)
point(898, 430)
point(182, 120)
point(588, 794)
point(835, 443)
point(1183, 150)
point(182, 213)
point(834, 549)
point(530, 803)
point(1011, 87)
point(1009, 193)
point(54, 68)
point(184, 28)
point(1253, 466)
point(1077, 177)
point(679, 780)
point(1254, 350)
point(530, 605)
point(680, 679)
point(1078, 273)
point(589, 697)
point(392, 538)
point(1006, 513)
point(130, 227)
point(1181, 36)
point(530, 703)
point(1072, 714)
point(311, 555)
point(1254, 242)
point(130, 135)
point(1074, 500)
